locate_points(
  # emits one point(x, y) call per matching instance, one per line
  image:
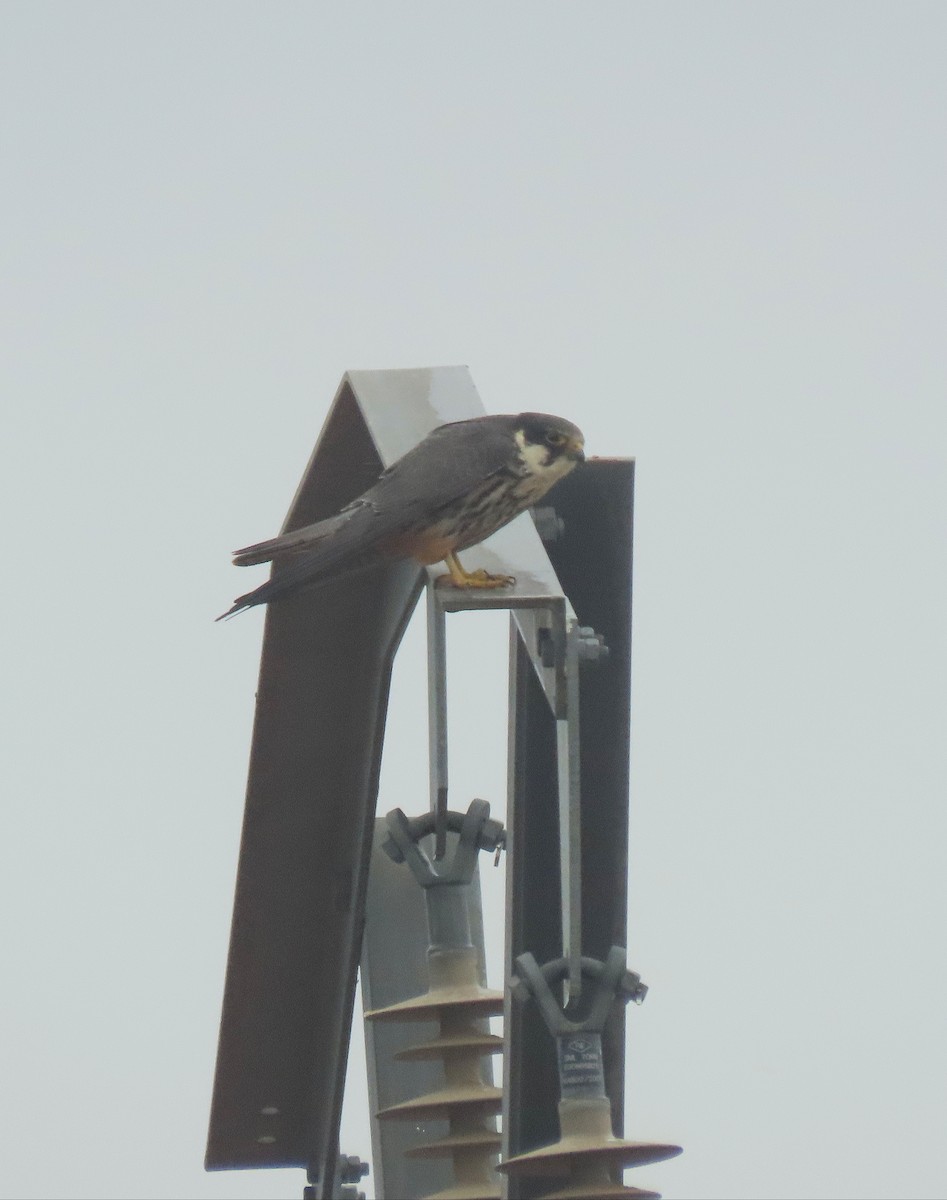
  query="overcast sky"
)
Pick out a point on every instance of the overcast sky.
point(712, 234)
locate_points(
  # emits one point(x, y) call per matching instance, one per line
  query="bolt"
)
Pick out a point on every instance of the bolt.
point(351, 1168)
point(590, 645)
point(632, 987)
point(549, 525)
point(492, 835)
point(392, 849)
point(519, 988)
point(546, 647)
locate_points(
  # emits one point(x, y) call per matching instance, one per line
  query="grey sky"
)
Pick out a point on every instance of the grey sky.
point(712, 234)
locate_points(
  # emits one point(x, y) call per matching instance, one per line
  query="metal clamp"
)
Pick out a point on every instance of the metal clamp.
point(448, 922)
point(612, 980)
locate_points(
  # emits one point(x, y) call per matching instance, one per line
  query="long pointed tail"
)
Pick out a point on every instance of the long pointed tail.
point(297, 541)
point(310, 556)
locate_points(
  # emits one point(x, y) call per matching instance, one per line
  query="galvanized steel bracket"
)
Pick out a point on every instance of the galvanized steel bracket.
point(579, 1038)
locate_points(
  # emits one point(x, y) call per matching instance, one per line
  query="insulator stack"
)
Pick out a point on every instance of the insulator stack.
point(590, 1155)
point(587, 1159)
point(459, 1004)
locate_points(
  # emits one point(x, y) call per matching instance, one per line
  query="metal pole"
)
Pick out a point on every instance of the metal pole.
point(437, 715)
point(570, 809)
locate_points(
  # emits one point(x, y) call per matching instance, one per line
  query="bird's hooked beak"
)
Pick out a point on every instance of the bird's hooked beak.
point(575, 448)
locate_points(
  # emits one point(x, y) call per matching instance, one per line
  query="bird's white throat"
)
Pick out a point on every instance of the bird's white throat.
point(536, 459)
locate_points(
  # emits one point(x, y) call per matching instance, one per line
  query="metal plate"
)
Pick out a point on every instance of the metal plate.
point(307, 828)
point(593, 561)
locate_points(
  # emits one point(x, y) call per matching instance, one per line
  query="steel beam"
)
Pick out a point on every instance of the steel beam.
point(592, 559)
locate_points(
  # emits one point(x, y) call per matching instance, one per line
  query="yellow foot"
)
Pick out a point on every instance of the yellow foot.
point(475, 579)
point(459, 578)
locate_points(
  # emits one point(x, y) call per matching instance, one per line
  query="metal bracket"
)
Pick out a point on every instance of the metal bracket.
point(448, 922)
point(349, 1170)
point(581, 1068)
point(477, 830)
point(558, 648)
point(611, 979)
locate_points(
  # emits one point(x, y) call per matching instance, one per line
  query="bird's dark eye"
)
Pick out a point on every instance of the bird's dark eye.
point(555, 439)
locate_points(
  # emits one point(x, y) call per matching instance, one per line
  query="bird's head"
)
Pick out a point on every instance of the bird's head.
point(549, 446)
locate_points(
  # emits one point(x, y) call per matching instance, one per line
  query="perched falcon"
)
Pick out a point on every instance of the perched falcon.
point(455, 488)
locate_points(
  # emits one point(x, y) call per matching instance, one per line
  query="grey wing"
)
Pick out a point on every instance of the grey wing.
point(295, 542)
point(312, 554)
point(450, 462)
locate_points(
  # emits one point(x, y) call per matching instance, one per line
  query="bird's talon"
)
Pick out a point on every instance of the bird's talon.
point(483, 579)
point(476, 579)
